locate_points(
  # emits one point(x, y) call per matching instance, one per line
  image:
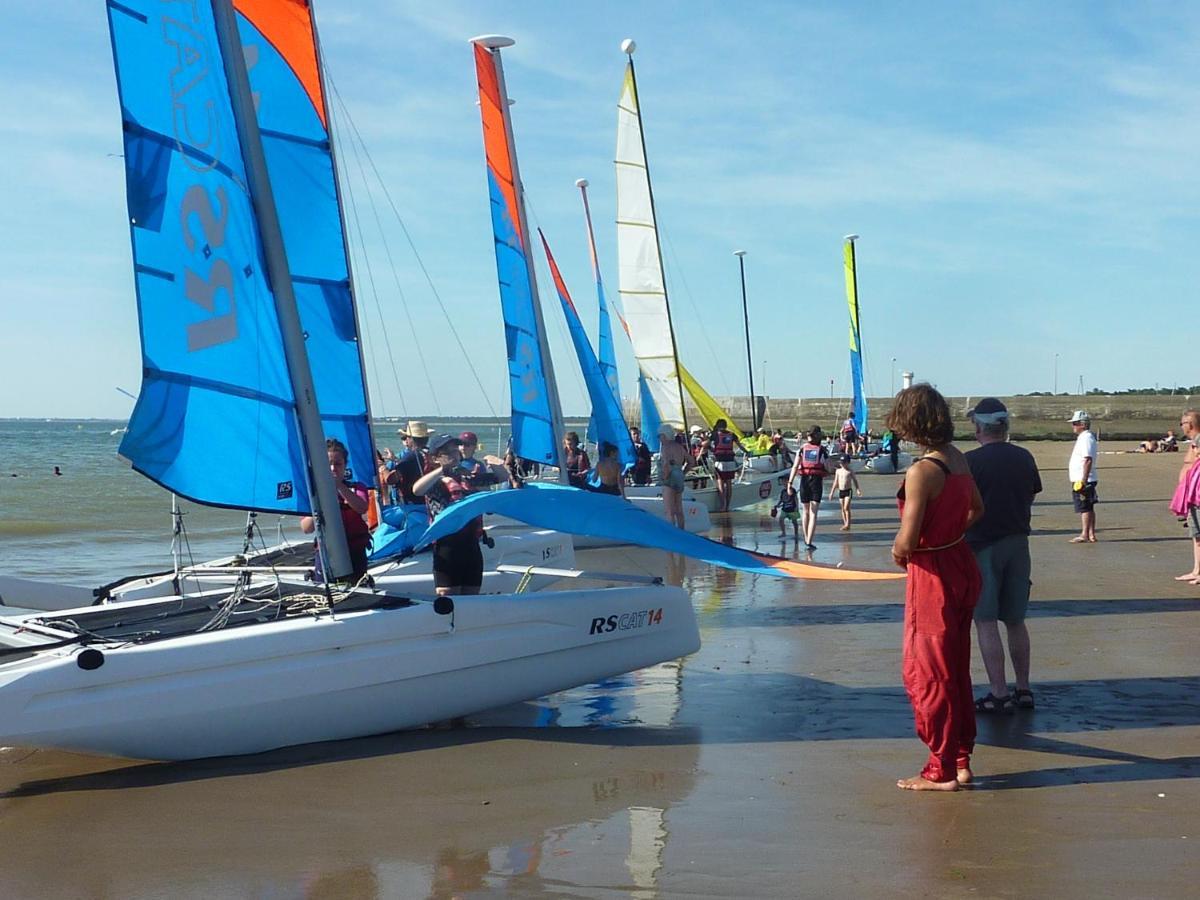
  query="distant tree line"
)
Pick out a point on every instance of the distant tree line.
point(1128, 392)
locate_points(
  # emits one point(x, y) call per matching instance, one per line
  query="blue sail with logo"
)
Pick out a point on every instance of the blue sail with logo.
point(608, 423)
point(859, 412)
point(281, 51)
point(532, 421)
point(215, 419)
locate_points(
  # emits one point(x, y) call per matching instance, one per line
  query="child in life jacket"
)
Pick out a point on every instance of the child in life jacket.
point(844, 483)
point(787, 507)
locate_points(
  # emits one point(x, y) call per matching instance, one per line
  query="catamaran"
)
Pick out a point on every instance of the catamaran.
point(251, 360)
point(663, 379)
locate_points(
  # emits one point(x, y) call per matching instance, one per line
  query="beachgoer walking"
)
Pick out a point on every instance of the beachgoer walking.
point(811, 467)
point(1008, 480)
point(643, 460)
point(457, 557)
point(353, 499)
point(845, 484)
point(938, 503)
point(1186, 502)
point(1081, 469)
point(724, 443)
point(673, 461)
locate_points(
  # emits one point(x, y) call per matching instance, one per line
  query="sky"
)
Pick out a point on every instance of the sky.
point(1023, 177)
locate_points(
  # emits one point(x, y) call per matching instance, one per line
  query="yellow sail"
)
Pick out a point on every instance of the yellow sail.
point(709, 408)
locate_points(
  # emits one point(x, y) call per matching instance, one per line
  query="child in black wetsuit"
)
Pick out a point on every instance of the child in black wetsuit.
point(787, 508)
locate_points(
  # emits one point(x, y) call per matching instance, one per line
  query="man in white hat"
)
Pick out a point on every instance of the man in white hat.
point(1081, 469)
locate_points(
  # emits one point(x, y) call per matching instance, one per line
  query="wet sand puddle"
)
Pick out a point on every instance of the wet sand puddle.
point(761, 766)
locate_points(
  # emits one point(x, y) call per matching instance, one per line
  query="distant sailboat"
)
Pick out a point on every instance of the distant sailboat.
point(646, 305)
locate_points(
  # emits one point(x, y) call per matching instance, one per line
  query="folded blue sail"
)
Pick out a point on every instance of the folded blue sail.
point(563, 508)
point(608, 424)
point(651, 421)
point(281, 56)
point(215, 418)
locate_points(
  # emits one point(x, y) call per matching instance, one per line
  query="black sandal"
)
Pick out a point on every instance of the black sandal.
point(1023, 699)
point(993, 705)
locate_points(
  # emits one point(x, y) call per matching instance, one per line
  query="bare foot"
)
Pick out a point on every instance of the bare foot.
point(845, 528)
point(1190, 576)
point(964, 776)
point(1194, 581)
point(1092, 539)
point(920, 783)
point(1079, 540)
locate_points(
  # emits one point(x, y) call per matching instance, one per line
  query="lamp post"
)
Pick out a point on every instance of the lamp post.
point(741, 255)
point(893, 383)
point(1056, 373)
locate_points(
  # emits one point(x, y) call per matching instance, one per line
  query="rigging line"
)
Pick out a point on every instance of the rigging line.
point(687, 292)
point(362, 252)
point(466, 357)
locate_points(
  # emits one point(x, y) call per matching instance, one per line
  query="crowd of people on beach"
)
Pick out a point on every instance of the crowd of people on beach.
point(963, 537)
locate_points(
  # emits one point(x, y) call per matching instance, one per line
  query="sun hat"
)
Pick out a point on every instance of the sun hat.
point(695, 429)
point(1080, 415)
point(416, 429)
point(988, 411)
point(438, 441)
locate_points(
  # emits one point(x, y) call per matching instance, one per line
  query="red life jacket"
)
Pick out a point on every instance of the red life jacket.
point(722, 446)
point(812, 460)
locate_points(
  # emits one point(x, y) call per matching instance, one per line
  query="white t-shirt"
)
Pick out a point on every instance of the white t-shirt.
point(1085, 446)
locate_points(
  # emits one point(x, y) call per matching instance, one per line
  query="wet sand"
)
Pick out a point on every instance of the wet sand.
point(763, 766)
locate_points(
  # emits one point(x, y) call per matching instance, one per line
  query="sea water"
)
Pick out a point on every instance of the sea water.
point(100, 520)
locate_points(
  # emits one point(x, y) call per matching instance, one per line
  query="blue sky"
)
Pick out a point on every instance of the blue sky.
point(1023, 176)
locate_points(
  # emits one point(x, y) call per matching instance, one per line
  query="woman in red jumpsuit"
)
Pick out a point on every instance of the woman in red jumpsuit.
point(938, 502)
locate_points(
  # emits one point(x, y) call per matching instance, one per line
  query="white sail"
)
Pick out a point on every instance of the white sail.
point(641, 283)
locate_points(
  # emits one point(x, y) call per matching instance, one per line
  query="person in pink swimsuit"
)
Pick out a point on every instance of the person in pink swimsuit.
point(938, 502)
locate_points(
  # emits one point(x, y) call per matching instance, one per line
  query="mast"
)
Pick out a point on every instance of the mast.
point(331, 533)
point(628, 46)
point(493, 43)
point(741, 255)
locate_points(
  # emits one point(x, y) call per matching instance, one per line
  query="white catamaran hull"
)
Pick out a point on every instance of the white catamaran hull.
point(318, 678)
point(748, 489)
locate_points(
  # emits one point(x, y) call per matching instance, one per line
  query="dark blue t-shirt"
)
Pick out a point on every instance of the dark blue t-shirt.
point(1008, 480)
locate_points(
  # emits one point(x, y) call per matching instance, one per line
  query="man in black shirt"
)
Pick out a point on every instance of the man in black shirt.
point(1008, 481)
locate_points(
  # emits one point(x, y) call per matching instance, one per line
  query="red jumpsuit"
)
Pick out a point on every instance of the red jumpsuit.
point(943, 587)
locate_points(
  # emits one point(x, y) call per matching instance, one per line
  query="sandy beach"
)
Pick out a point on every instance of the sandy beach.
point(763, 766)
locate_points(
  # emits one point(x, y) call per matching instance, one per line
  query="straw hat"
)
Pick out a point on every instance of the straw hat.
point(415, 429)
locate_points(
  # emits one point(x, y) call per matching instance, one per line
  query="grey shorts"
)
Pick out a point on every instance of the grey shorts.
point(1005, 568)
point(1193, 522)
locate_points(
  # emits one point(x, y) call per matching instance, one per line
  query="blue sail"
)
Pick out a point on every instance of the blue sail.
point(856, 366)
point(651, 421)
point(532, 418)
point(604, 344)
point(607, 420)
point(568, 509)
point(279, 41)
point(215, 420)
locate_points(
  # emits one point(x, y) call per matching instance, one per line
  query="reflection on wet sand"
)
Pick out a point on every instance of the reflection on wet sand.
point(425, 814)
